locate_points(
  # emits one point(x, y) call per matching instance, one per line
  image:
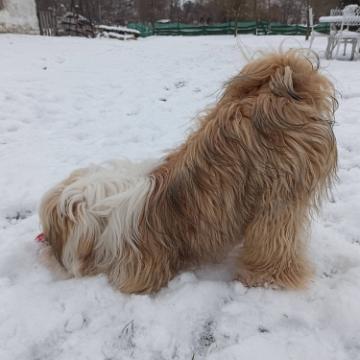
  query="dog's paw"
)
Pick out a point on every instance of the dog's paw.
point(255, 279)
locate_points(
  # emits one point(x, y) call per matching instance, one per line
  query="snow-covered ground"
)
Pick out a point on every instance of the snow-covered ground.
point(67, 102)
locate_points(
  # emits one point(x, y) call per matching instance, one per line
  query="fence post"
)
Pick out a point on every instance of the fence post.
point(39, 20)
point(308, 19)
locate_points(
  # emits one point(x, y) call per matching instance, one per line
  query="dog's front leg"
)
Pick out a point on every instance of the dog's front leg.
point(273, 253)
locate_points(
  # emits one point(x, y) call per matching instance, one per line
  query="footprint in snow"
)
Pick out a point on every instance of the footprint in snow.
point(263, 330)
point(12, 128)
point(18, 215)
point(180, 84)
point(206, 338)
point(76, 323)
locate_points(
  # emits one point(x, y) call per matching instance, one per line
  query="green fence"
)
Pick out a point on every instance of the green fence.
point(243, 27)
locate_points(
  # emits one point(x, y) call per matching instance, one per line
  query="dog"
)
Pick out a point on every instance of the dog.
point(250, 176)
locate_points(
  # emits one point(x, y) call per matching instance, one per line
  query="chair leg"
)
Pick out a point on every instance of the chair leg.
point(312, 36)
point(329, 48)
point(353, 49)
point(337, 48)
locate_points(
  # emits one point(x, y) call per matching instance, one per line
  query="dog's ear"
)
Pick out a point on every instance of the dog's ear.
point(86, 228)
point(83, 230)
point(280, 107)
point(54, 226)
point(281, 83)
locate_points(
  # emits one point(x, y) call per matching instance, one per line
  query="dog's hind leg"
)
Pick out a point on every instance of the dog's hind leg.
point(141, 274)
point(273, 253)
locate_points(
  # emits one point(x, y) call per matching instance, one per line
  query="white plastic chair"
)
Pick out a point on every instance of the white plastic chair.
point(345, 36)
point(337, 15)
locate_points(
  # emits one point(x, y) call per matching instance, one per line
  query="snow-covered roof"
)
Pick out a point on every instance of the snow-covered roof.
point(163, 21)
point(118, 36)
point(118, 29)
point(70, 14)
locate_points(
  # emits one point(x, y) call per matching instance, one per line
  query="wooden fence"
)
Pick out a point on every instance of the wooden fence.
point(47, 23)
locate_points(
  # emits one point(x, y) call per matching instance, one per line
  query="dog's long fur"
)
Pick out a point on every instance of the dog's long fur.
point(258, 164)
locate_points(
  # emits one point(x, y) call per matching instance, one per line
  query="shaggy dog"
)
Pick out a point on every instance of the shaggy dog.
point(252, 173)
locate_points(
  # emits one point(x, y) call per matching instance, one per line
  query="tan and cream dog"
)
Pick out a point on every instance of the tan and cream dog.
point(257, 166)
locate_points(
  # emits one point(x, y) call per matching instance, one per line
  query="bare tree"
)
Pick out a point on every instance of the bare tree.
point(193, 11)
point(234, 9)
point(321, 8)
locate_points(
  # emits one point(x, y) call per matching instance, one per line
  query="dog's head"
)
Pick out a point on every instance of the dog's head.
point(284, 91)
point(275, 119)
point(68, 235)
point(56, 230)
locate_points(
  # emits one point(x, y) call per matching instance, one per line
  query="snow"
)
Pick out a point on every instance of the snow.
point(68, 102)
point(19, 16)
